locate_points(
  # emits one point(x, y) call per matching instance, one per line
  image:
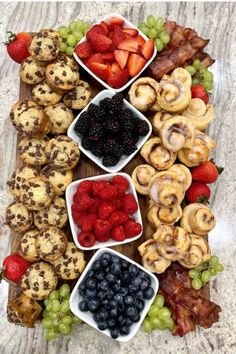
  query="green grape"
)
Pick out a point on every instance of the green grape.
point(69, 50)
point(64, 290)
point(207, 85)
point(193, 273)
point(213, 260)
point(159, 301)
point(71, 40)
point(63, 47)
point(54, 295)
point(45, 313)
point(194, 81)
point(78, 35)
point(219, 267)
point(164, 37)
point(213, 271)
point(46, 323)
point(196, 283)
point(80, 25)
point(86, 27)
point(190, 69)
point(158, 44)
point(46, 302)
point(49, 306)
point(169, 322)
point(50, 334)
point(56, 305)
point(65, 306)
point(152, 33)
point(64, 31)
point(76, 320)
point(151, 21)
point(147, 327)
point(159, 23)
point(53, 315)
point(208, 75)
point(73, 25)
point(156, 322)
point(164, 313)
point(205, 276)
point(199, 268)
point(56, 322)
point(67, 320)
point(154, 311)
point(197, 64)
point(64, 329)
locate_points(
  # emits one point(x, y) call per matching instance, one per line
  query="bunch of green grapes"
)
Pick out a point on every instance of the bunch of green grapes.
point(72, 34)
point(200, 75)
point(202, 274)
point(57, 317)
point(158, 317)
point(154, 28)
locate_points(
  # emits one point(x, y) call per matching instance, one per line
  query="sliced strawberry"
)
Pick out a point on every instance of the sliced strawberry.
point(141, 40)
point(95, 58)
point(135, 64)
point(131, 31)
point(99, 69)
point(119, 79)
point(83, 50)
point(115, 21)
point(100, 43)
point(96, 29)
point(105, 26)
point(117, 36)
point(127, 35)
point(147, 49)
point(129, 44)
point(115, 68)
point(108, 56)
point(121, 57)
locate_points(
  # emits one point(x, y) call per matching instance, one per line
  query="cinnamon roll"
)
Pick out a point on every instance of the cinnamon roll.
point(199, 113)
point(197, 218)
point(157, 215)
point(183, 173)
point(143, 93)
point(141, 177)
point(199, 252)
point(158, 120)
point(182, 75)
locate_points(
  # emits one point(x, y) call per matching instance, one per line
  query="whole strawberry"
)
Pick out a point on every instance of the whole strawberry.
point(17, 46)
point(198, 193)
point(14, 266)
point(207, 172)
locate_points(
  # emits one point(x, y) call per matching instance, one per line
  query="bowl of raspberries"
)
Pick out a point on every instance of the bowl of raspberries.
point(110, 131)
point(103, 211)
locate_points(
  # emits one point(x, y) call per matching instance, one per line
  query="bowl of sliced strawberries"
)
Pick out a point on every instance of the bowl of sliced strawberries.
point(115, 52)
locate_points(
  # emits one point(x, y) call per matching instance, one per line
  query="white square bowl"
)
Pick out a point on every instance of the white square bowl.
point(70, 191)
point(126, 24)
point(98, 160)
point(87, 316)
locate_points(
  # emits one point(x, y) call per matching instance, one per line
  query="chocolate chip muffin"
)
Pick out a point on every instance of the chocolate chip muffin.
point(18, 217)
point(18, 108)
point(31, 72)
point(79, 97)
point(62, 152)
point(51, 243)
point(62, 77)
point(48, 32)
point(60, 116)
point(27, 246)
point(54, 215)
point(44, 95)
point(71, 264)
point(43, 47)
point(63, 58)
point(37, 193)
point(59, 178)
point(38, 281)
point(32, 151)
point(18, 177)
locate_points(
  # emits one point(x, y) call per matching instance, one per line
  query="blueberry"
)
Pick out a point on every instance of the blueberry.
point(83, 306)
point(106, 256)
point(82, 286)
point(107, 269)
point(97, 265)
point(126, 277)
point(113, 304)
point(114, 313)
point(106, 304)
point(104, 285)
point(91, 293)
point(102, 315)
point(128, 321)
point(133, 269)
point(137, 281)
point(129, 300)
point(111, 322)
point(115, 259)
point(144, 285)
point(131, 312)
point(136, 318)
point(121, 319)
point(124, 264)
point(110, 294)
point(81, 292)
point(148, 293)
point(116, 287)
point(124, 329)
point(121, 307)
point(105, 259)
point(114, 333)
point(139, 304)
point(91, 284)
point(116, 268)
point(119, 298)
point(139, 294)
point(124, 291)
point(111, 278)
point(102, 325)
point(100, 275)
point(133, 289)
point(93, 305)
point(101, 295)
point(90, 274)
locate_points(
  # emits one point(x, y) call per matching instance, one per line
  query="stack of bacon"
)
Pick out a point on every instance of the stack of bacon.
point(188, 307)
point(185, 45)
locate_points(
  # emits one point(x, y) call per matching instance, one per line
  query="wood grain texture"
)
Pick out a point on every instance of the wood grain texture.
point(216, 21)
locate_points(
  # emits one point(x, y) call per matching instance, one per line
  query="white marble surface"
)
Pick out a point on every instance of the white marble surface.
point(216, 21)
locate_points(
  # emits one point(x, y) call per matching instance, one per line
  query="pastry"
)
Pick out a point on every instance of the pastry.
point(199, 113)
point(62, 152)
point(79, 97)
point(176, 133)
point(18, 217)
point(32, 151)
point(48, 32)
point(44, 47)
point(165, 189)
point(157, 155)
point(141, 177)
point(24, 310)
point(143, 93)
point(18, 177)
point(27, 246)
point(54, 215)
point(151, 258)
point(71, 264)
point(63, 58)
point(51, 243)
point(32, 72)
point(44, 95)
point(182, 75)
point(202, 147)
point(38, 281)
point(37, 193)
point(158, 119)
point(59, 178)
point(18, 108)
point(199, 252)
point(157, 215)
point(60, 116)
point(62, 77)
point(184, 174)
point(155, 108)
point(197, 219)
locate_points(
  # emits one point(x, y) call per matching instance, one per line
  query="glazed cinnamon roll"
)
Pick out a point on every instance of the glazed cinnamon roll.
point(158, 120)
point(183, 173)
point(156, 155)
point(199, 252)
point(182, 75)
point(141, 177)
point(197, 218)
point(199, 113)
point(176, 133)
point(157, 215)
point(199, 152)
point(143, 93)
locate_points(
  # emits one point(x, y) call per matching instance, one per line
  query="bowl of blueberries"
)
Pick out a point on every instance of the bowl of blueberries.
point(114, 294)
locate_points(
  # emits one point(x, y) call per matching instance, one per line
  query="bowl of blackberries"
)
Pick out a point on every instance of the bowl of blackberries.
point(114, 294)
point(110, 131)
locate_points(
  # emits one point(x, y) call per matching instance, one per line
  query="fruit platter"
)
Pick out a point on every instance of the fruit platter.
point(110, 214)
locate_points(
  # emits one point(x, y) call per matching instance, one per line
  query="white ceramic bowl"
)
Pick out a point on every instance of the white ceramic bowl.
point(87, 316)
point(70, 191)
point(126, 24)
point(98, 160)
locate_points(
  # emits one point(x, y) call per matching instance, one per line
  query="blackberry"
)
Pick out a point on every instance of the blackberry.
point(110, 160)
point(86, 143)
point(126, 139)
point(112, 126)
point(97, 149)
point(83, 123)
point(95, 112)
point(142, 127)
point(129, 149)
point(127, 114)
point(117, 102)
point(113, 149)
point(127, 121)
point(96, 132)
point(106, 104)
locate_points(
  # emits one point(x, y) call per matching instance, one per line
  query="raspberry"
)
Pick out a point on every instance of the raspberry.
point(132, 228)
point(87, 221)
point(118, 218)
point(103, 238)
point(95, 207)
point(105, 210)
point(84, 187)
point(117, 233)
point(117, 203)
point(129, 204)
point(120, 180)
point(74, 210)
point(102, 227)
point(109, 193)
point(121, 189)
point(98, 186)
point(86, 239)
point(84, 202)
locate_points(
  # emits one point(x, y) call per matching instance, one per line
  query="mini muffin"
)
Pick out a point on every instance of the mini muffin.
point(60, 116)
point(62, 77)
point(51, 243)
point(58, 178)
point(32, 151)
point(48, 32)
point(32, 72)
point(54, 215)
point(27, 246)
point(18, 108)
point(18, 217)
point(44, 48)
point(79, 97)
point(37, 193)
point(38, 281)
point(71, 264)
point(62, 152)
point(63, 58)
point(18, 177)
point(44, 95)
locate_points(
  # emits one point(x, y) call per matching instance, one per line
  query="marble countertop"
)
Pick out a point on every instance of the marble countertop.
point(216, 21)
